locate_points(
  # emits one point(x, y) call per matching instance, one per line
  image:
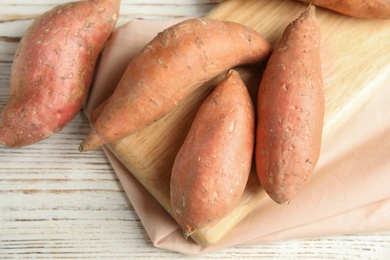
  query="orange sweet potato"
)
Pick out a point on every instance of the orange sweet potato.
point(172, 65)
point(367, 9)
point(212, 166)
point(53, 68)
point(290, 111)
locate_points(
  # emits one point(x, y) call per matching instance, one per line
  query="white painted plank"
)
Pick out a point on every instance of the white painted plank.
point(16, 16)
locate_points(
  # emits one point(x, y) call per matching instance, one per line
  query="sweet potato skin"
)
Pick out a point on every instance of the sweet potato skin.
point(367, 9)
point(290, 111)
point(53, 68)
point(212, 166)
point(172, 65)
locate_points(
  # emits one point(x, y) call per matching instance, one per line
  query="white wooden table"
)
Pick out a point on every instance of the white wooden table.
point(58, 203)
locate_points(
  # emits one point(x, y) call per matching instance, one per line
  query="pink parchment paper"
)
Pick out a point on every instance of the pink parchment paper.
point(348, 193)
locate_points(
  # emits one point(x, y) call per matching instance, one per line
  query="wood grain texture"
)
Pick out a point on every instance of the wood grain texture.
point(56, 203)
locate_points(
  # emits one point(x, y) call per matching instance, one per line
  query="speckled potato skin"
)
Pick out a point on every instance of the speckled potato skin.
point(170, 67)
point(53, 69)
point(290, 111)
point(367, 9)
point(212, 167)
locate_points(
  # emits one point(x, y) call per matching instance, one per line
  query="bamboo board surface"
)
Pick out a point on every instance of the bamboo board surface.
point(356, 64)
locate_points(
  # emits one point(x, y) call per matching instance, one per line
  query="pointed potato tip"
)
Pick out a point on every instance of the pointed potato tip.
point(310, 11)
point(280, 199)
point(81, 148)
point(92, 141)
point(85, 147)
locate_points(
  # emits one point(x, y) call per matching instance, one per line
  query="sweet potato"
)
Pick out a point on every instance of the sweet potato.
point(53, 68)
point(172, 65)
point(290, 110)
point(367, 9)
point(212, 166)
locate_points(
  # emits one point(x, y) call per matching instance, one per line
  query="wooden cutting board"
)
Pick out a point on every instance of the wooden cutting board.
point(356, 63)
